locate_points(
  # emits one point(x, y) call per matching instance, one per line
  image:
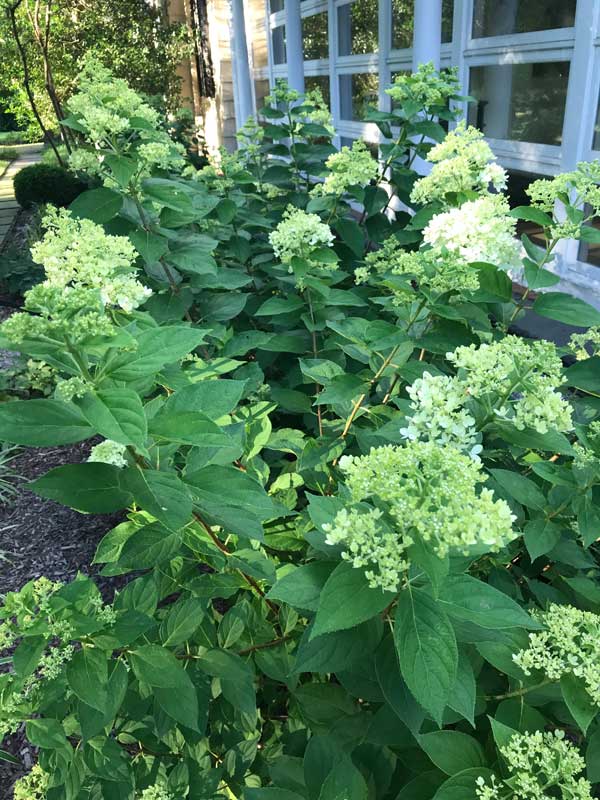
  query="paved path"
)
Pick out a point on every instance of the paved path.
point(28, 154)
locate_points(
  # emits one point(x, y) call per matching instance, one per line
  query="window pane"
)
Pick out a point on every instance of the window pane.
point(357, 27)
point(402, 23)
point(498, 17)
point(357, 92)
point(276, 5)
point(319, 82)
point(447, 20)
point(278, 43)
point(524, 102)
point(261, 90)
point(315, 37)
point(596, 142)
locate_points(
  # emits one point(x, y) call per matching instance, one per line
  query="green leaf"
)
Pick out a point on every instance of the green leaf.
point(279, 305)
point(157, 667)
point(46, 733)
point(427, 650)
point(244, 506)
point(540, 536)
point(344, 782)
point(532, 214)
point(92, 488)
point(87, 674)
point(42, 423)
point(578, 701)
point(162, 494)
point(116, 414)
point(149, 546)
point(181, 621)
point(464, 693)
point(156, 347)
point(151, 246)
point(337, 651)
point(27, 655)
point(452, 751)
point(99, 205)
point(502, 733)
point(387, 669)
point(352, 235)
point(566, 308)
point(347, 600)
point(301, 588)
point(585, 375)
point(180, 703)
point(467, 598)
point(524, 490)
point(270, 793)
point(463, 785)
point(189, 428)
point(214, 398)
point(235, 676)
point(592, 758)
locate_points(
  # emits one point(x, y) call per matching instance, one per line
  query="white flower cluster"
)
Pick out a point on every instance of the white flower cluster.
point(518, 379)
point(427, 89)
point(463, 162)
point(353, 166)
point(543, 766)
point(87, 271)
point(298, 235)
point(418, 491)
point(439, 414)
point(570, 645)
point(110, 111)
point(477, 231)
point(109, 452)
point(440, 272)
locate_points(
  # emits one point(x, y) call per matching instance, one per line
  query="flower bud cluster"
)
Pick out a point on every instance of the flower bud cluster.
point(477, 231)
point(32, 786)
point(570, 645)
point(111, 112)
point(350, 166)
point(157, 791)
point(429, 268)
point(426, 88)
point(519, 379)
point(463, 162)
point(587, 344)
point(298, 235)
point(542, 766)
point(109, 452)
point(87, 271)
point(420, 491)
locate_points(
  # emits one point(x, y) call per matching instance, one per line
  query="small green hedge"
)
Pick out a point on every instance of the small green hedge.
point(46, 183)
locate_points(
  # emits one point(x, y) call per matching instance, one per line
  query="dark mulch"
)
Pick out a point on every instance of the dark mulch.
point(39, 537)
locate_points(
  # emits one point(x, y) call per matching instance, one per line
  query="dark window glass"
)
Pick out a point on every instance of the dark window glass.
point(315, 38)
point(278, 44)
point(402, 22)
point(319, 82)
point(261, 90)
point(276, 5)
point(501, 17)
point(358, 27)
point(357, 93)
point(523, 102)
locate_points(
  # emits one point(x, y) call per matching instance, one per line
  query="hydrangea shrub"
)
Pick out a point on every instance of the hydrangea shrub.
point(360, 516)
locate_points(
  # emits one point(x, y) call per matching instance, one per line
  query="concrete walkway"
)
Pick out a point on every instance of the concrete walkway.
point(28, 154)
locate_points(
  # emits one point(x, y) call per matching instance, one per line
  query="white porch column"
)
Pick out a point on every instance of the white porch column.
point(427, 35)
point(293, 45)
point(242, 80)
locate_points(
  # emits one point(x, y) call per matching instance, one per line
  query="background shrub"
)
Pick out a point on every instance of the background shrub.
point(44, 183)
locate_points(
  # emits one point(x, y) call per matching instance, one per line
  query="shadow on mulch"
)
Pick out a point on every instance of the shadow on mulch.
point(40, 537)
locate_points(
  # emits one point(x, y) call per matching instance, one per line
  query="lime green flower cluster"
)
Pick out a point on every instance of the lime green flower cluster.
point(418, 491)
point(109, 111)
point(518, 380)
point(282, 94)
point(222, 171)
point(298, 235)
point(87, 272)
point(463, 162)
point(429, 268)
point(157, 791)
point(350, 166)
point(542, 766)
point(109, 452)
point(250, 137)
point(426, 88)
point(439, 414)
point(478, 231)
point(581, 344)
point(320, 113)
point(570, 645)
point(32, 786)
